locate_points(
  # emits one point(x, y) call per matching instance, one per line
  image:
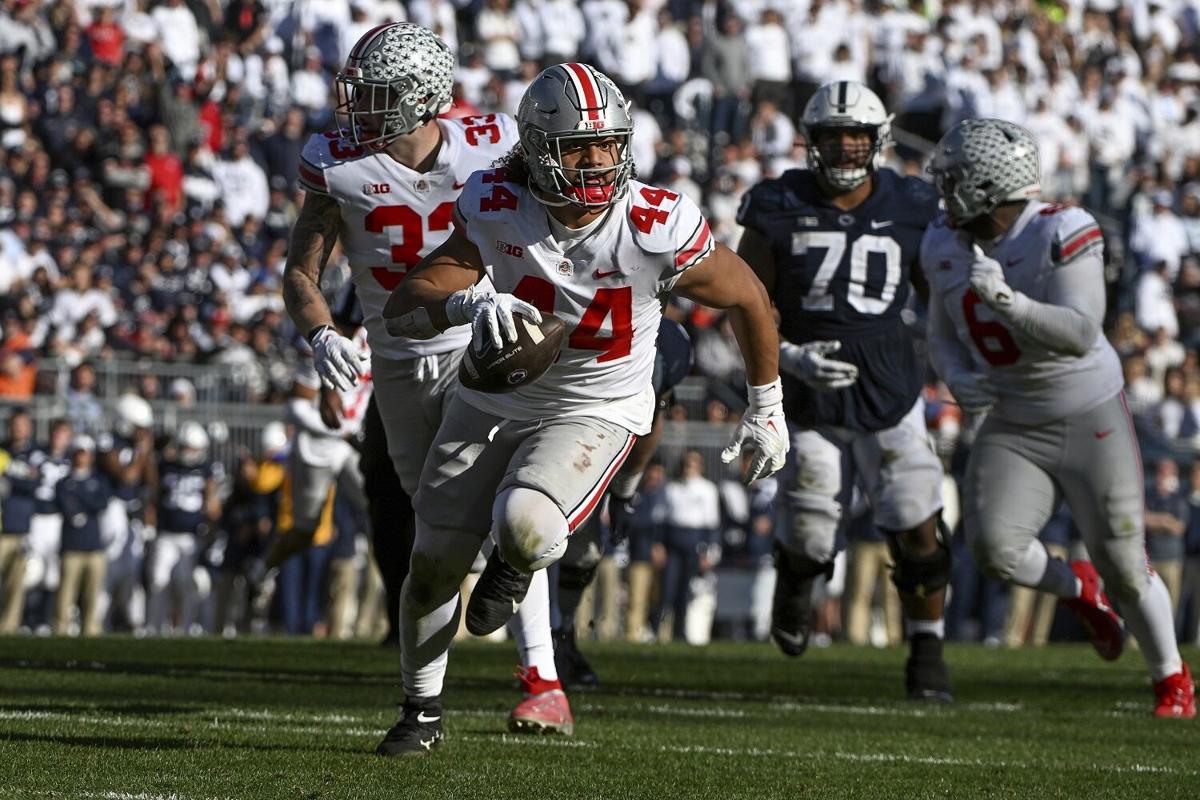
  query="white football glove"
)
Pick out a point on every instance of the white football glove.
point(987, 279)
point(808, 363)
point(763, 428)
point(974, 393)
point(490, 316)
point(338, 360)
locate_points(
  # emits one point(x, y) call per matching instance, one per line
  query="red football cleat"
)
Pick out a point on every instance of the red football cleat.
point(1175, 695)
point(545, 708)
point(1091, 608)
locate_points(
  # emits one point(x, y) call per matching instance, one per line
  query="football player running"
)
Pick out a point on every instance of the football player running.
point(562, 228)
point(835, 246)
point(1017, 302)
point(385, 186)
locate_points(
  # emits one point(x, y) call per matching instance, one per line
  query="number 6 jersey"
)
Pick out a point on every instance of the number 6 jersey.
point(1036, 384)
point(393, 216)
point(606, 281)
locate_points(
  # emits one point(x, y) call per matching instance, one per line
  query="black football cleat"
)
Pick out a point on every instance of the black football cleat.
point(925, 675)
point(573, 669)
point(418, 731)
point(496, 596)
point(792, 608)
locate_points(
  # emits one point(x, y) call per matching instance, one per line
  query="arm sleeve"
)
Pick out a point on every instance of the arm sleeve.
point(1069, 320)
point(950, 358)
point(306, 415)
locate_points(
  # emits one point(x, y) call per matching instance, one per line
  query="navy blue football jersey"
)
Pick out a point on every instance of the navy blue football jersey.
point(181, 495)
point(844, 275)
point(126, 451)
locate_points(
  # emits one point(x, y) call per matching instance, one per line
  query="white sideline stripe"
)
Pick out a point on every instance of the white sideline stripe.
point(887, 758)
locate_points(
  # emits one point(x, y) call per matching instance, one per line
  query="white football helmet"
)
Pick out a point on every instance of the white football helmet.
point(841, 105)
point(192, 441)
point(981, 163)
point(398, 77)
point(274, 437)
point(569, 104)
point(133, 412)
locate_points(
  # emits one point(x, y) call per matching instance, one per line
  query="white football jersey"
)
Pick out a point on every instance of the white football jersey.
point(1035, 384)
point(393, 216)
point(607, 286)
point(354, 399)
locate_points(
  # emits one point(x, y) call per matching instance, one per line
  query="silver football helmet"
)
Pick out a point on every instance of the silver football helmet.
point(569, 104)
point(981, 163)
point(838, 106)
point(397, 77)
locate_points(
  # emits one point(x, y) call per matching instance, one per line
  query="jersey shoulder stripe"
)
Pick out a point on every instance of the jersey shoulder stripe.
point(312, 178)
point(1079, 240)
point(699, 246)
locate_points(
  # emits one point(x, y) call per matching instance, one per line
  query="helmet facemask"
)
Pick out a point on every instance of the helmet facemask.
point(586, 187)
point(822, 158)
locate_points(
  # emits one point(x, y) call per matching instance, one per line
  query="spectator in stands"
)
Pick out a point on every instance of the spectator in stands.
point(81, 497)
point(18, 360)
point(1160, 236)
point(19, 473)
point(1155, 306)
point(83, 408)
point(868, 584)
point(1166, 522)
point(691, 539)
point(645, 554)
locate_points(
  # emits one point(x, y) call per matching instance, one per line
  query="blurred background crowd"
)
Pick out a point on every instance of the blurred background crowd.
point(148, 153)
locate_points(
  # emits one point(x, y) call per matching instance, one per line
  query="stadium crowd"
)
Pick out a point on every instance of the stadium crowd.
point(148, 154)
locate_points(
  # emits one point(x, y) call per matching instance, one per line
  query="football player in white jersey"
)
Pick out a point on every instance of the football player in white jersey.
point(1017, 302)
point(561, 228)
point(385, 187)
point(322, 458)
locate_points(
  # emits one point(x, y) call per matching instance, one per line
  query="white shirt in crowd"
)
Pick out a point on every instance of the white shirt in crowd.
point(693, 503)
point(1155, 305)
point(770, 50)
point(244, 188)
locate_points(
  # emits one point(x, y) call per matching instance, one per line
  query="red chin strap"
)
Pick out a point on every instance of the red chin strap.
point(591, 195)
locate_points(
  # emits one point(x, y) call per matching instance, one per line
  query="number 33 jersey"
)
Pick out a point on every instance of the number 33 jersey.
point(1036, 384)
point(393, 216)
point(607, 282)
point(844, 275)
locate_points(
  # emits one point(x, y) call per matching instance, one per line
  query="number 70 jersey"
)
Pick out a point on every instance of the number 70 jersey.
point(606, 282)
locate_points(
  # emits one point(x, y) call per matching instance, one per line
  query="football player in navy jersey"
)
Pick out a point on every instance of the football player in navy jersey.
point(188, 504)
point(126, 457)
point(835, 246)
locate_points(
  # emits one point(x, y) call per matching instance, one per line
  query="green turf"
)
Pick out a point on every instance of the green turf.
point(121, 719)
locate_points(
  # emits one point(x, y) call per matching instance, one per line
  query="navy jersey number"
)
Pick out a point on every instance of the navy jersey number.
point(833, 243)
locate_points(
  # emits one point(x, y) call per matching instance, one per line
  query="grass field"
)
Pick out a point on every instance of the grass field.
point(122, 719)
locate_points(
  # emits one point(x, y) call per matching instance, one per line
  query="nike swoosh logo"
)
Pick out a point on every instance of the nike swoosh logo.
point(598, 275)
point(423, 717)
point(1103, 434)
point(460, 185)
point(876, 224)
point(787, 637)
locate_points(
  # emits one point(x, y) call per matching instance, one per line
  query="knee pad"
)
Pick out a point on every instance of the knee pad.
point(799, 566)
point(813, 525)
point(920, 575)
point(529, 528)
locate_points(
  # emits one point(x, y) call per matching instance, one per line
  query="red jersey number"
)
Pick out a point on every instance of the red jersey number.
point(406, 254)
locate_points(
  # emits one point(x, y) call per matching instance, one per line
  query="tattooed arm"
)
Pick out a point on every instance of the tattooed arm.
point(313, 239)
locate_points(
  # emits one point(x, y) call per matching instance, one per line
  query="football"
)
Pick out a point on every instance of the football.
point(518, 363)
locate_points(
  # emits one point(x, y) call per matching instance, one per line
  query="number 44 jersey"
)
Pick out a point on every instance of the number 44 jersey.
point(844, 276)
point(1035, 383)
point(393, 216)
point(605, 281)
